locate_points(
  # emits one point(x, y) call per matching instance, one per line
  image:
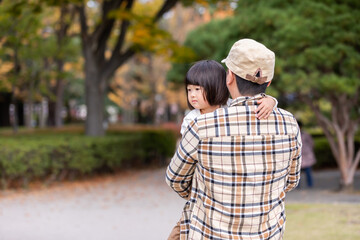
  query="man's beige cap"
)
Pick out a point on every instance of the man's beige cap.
point(248, 57)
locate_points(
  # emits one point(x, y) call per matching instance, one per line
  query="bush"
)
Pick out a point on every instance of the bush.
point(53, 157)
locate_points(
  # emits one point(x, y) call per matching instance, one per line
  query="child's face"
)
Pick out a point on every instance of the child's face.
point(196, 97)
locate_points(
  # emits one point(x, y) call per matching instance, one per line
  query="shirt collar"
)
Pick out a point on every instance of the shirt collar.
point(247, 101)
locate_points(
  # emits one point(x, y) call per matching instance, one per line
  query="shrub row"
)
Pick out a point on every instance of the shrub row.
point(53, 157)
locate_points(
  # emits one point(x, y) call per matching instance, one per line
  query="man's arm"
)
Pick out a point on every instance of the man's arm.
point(180, 171)
point(295, 165)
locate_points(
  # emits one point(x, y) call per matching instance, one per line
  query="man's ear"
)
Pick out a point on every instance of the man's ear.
point(230, 78)
point(269, 83)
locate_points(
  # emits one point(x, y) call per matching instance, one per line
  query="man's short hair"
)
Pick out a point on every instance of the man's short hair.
point(247, 88)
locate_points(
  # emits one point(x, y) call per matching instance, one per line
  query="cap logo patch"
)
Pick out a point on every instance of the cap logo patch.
point(253, 78)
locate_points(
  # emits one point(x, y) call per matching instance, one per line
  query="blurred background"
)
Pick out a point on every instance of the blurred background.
point(92, 91)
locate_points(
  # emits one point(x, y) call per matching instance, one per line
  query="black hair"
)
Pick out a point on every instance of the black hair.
point(211, 76)
point(248, 88)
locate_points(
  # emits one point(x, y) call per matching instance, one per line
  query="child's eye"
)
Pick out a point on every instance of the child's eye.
point(189, 90)
point(197, 89)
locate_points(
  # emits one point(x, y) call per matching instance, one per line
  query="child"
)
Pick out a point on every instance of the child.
point(206, 91)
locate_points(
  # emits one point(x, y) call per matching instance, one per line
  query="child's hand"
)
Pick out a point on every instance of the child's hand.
point(265, 108)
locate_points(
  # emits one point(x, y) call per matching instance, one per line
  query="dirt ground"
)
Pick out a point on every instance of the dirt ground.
point(131, 205)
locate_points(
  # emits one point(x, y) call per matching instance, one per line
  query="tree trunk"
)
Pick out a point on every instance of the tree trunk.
point(67, 11)
point(340, 131)
point(98, 70)
point(28, 113)
point(59, 91)
point(14, 111)
point(44, 113)
point(345, 163)
point(14, 117)
point(94, 96)
point(347, 181)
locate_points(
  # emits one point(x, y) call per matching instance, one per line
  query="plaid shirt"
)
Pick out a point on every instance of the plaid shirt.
point(234, 170)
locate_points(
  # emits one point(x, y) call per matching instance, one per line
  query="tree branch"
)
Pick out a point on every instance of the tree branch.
point(344, 107)
point(116, 62)
point(356, 160)
point(120, 41)
point(118, 58)
point(65, 11)
point(325, 124)
point(83, 26)
point(103, 30)
point(350, 142)
point(107, 6)
point(168, 4)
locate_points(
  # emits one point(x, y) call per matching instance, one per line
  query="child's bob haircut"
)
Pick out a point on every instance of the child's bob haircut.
point(211, 76)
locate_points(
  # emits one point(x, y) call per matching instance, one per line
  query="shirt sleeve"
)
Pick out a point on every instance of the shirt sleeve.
point(228, 102)
point(187, 120)
point(295, 165)
point(179, 173)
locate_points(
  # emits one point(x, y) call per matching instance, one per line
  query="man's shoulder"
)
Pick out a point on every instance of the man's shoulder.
point(283, 111)
point(240, 120)
point(288, 116)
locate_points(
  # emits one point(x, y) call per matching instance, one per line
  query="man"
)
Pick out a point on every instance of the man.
point(234, 169)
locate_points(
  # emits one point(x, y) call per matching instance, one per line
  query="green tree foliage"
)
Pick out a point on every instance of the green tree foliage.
point(18, 28)
point(30, 41)
point(317, 47)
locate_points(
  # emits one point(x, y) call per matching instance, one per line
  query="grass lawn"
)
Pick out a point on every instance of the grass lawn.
point(322, 222)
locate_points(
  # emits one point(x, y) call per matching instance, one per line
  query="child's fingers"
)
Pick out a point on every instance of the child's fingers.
point(259, 107)
point(261, 114)
point(267, 114)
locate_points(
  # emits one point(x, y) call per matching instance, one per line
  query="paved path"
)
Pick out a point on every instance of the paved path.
point(132, 205)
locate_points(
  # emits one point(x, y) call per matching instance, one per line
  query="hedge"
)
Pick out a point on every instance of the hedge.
point(51, 157)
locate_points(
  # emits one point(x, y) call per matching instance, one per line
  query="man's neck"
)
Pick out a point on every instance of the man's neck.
point(240, 95)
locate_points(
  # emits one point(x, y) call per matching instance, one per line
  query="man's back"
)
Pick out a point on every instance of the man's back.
point(242, 169)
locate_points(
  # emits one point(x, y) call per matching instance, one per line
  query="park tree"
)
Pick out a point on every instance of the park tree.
point(317, 51)
point(111, 33)
point(103, 56)
point(35, 39)
point(66, 51)
point(18, 28)
point(112, 37)
point(141, 83)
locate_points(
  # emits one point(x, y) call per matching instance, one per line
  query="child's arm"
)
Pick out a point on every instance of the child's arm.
point(267, 104)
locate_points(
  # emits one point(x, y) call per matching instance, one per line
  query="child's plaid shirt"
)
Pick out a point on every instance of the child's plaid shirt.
point(234, 170)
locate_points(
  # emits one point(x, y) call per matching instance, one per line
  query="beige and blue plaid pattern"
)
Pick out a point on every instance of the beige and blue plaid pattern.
point(235, 170)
